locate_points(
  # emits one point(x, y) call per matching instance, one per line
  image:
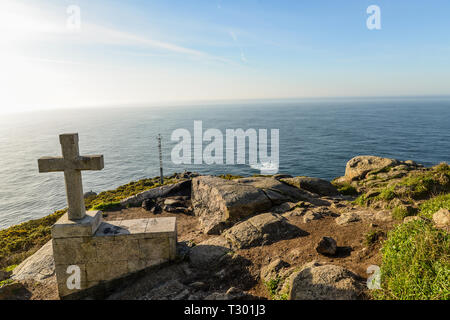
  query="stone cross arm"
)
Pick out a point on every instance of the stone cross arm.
point(55, 164)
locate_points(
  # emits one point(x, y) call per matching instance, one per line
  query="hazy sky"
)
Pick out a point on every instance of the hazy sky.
point(179, 50)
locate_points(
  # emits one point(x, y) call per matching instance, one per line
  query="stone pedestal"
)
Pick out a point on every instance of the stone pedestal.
point(99, 252)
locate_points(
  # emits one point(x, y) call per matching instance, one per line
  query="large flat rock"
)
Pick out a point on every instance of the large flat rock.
point(220, 203)
point(38, 267)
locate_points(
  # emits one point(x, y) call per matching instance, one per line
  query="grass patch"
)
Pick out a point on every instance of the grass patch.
point(20, 241)
point(401, 212)
point(5, 282)
point(272, 286)
point(387, 194)
point(361, 200)
point(428, 183)
point(107, 206)
point(416, 263)
point(109, 197)
point(10, 268)
point(347, 189)
point(382, 170)
point(429, 207)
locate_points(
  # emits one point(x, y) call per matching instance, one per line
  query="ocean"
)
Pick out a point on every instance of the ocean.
point(316, 138)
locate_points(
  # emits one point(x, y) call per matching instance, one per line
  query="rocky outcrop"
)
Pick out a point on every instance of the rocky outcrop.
point(316, 281)
point(219, 202)
point(38, 267)
point(315, 185)
point(359, 166)
point(182, 188)
point(264, 228)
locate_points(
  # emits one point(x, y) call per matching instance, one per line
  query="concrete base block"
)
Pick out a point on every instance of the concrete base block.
point(116, 250)
point(86, 227)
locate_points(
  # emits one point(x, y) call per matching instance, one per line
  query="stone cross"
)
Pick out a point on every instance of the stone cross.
point(72, 163)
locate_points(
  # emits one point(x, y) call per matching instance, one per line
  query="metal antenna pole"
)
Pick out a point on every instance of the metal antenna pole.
point(160, 160)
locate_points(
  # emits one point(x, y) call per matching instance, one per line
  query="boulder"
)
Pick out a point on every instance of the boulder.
point(442, 218)
point(315, 185)
point(359, 166)
point(89, 194)
point(219, 203)
point(272, 270)
point(326, 246)
point(347, 217)
point(324, 282)
point(38, 267)
point(208, 253)
point(264, 228)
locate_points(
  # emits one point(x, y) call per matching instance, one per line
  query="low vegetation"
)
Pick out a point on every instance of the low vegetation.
point(429, 207)
point(419, 185)
point(346, 189)
point(273, 287)
point(416, 263)
point(401, 212)
point(110, 199)
point(373, 237)
point(20, 241)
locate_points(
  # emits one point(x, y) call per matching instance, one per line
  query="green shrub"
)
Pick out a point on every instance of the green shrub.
point(429, 207)
point(347, 189)
point(416, 263)
point(361, 200)
point(401, 212)
point(19, 241)
point(272, 286)
point(387, 194)
point(107, 206)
